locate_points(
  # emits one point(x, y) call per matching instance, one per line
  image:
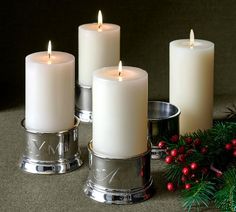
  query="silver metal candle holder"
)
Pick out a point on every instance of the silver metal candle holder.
point(51, 153)
point(83, 103)
point(119, 181)
point(163, 122)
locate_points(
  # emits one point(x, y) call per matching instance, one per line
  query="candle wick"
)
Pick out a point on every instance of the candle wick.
point(99, 27)
point(119, 73)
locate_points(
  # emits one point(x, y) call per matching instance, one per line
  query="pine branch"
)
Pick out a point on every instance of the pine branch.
point(203, 184)
point(200, 194)
point(223, 132)
point(173, 173)
point(196, 157)
point(225, 198)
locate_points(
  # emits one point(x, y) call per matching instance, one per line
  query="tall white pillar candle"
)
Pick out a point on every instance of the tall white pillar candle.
point(120, 112)
point(191, 82)
point(99, 46)
point(49, 92)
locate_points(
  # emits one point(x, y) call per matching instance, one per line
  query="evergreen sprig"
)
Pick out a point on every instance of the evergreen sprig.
point(173, 173)
point(199, 194)
point(225, 198)
point(205, 187)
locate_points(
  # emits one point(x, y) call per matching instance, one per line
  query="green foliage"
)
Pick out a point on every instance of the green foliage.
point(173, 173)
point(206, 186)
point(225, 198)
point(222, 133)
point(204, 136)
point(200, 194)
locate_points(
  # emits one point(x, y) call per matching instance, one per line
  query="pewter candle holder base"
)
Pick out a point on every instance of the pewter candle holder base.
point(51, 153)
point(163, 122)
point(83, 103)
point(119, 181)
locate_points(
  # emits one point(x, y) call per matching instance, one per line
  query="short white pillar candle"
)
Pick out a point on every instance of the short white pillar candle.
point(99, 46)
point(120, 99)
point(49, 92)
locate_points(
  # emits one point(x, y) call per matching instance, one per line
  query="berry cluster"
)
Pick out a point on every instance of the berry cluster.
point(231, 147)
point(185, 153)
point(196, 161)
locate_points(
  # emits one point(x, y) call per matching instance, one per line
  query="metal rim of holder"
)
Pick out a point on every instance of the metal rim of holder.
point(119, 181)
point(163, 122)
point(51, 153)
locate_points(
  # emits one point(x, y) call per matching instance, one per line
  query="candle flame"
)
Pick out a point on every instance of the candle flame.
point(191, 40)
point(99, 20)
point(120, 70)
point(49, 49)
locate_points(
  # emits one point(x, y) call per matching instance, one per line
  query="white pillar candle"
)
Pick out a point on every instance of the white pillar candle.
point(99, 46)
point(120, 112)
point(49, 92)
point(191, 82)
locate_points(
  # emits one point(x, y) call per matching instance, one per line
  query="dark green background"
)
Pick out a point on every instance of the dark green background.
point(147, 27)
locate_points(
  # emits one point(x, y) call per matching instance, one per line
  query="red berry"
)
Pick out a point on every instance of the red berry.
point(170, 186)
point(228, 146)
point(185, 171)
point(234, 153)
point(169, 159)
point(188, 140)
point(189, 152)
point(219, 174)
point(233, 141)
point(183, 178)
point(181, 149)
point(161, 144)
point(197, 142)
point(204, 150)
point(181, 158)
point(204, 170)
point(193, 166)
point(174, 138)
point(187, 186)
point(174, 152)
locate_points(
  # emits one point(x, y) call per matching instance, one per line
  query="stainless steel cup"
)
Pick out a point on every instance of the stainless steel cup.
point(163, 122)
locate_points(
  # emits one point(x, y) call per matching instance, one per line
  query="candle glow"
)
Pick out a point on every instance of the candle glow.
point(191, 40)
point(99, 20)
point(49, 49)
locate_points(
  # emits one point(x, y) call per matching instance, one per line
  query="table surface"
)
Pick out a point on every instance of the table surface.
point(20, 191)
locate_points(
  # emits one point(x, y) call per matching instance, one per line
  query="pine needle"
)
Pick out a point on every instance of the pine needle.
point(200, 194)
point(225, 198)
point(173, 173)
